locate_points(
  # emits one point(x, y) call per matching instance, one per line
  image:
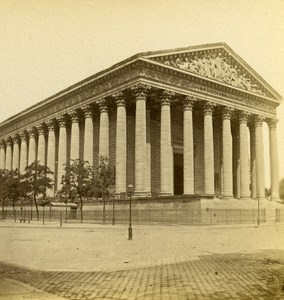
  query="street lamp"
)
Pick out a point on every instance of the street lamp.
point(130, 190)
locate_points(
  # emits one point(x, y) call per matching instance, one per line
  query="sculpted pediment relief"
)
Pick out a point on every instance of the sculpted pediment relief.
point(217, 63)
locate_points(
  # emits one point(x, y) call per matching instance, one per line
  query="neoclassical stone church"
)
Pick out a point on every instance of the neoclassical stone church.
point(186, 121)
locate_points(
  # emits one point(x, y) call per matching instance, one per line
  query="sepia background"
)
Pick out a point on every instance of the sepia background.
point(46, 45)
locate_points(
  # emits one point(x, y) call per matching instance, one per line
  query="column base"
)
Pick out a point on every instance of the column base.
point(165, 194)
point(228, 197)
point(245, 198)
point(140, 194)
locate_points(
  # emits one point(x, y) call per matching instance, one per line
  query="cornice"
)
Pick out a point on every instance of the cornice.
point(123, 76)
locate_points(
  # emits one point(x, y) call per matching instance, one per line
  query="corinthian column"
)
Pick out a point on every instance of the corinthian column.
point(104, 130)
point(227, 153)
point(148, 153)
point(2, 155)
point(120, 174)
point(50, 159)
point(88, 134)
point(140, 91)
point(8, 163)
point(208, 149)
point(62, 149)
point(259, 157)
point(188, 155)
point(252, 161)
point(244, 156)
point(24, 152)
point(16, 153)
point(75, 139)
point(274, 163)
point(41, 144)
point(166, 144)
point(32, 146)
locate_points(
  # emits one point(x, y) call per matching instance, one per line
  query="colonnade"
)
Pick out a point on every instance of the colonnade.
point(23, 148)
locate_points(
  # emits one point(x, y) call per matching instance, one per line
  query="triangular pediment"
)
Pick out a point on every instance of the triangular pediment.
point(216, 62)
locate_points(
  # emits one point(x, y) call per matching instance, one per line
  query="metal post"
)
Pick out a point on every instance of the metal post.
point(43, 215)
point(258, 212)
point(50, 213)
point(60, 218)
point(66, 213)
point(130, 221)
point(130, 191)
point(113, 213)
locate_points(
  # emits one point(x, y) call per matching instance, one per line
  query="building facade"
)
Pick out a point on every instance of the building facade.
point(177, 122)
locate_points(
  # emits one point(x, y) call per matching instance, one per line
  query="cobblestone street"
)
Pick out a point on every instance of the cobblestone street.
point(162, 262)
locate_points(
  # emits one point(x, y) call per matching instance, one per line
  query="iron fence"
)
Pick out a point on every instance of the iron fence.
point(162, 215)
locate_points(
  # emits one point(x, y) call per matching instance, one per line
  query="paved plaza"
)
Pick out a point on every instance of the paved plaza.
point(83, 261)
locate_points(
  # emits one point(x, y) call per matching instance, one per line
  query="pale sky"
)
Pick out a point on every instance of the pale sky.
point(46, 45)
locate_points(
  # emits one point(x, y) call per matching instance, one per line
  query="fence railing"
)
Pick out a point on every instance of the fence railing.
point(167, 216)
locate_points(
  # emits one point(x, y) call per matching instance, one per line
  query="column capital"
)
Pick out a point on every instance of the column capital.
point(87, 110)
point(41, 129)
point(208, 107)
point(118, 97)
point(272, 123)
point(9, 141)
point(167, 97)
point(62, 120)
point(15, 138)
point(140, 90)
point(23, 136)
point(102, 105)
point(227, 112)
point(31, 132)
point(2, 143)
point(188, 102)
point(74, 116)
point(258, 120)
point(243, 117)
point(50, 125)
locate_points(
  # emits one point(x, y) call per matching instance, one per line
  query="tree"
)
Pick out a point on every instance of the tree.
point(3, 179)
point(11, 188)
point(104, 180)
point(77, 182)
point(37, 181)
point(281, 189)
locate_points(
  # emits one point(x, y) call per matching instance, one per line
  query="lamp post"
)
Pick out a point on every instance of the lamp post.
point(258, 212)
point(130, 190)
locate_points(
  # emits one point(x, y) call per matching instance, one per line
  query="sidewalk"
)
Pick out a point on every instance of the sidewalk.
point(92, 261)
point(11, 289)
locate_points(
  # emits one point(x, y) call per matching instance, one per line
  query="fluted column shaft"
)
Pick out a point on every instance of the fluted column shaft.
point(24, 153)
point(148, 153)
point(244, 156)
point(88, 135)
point(208, 149)
point(166, 145)
point(41, 145)
point(32, 147)
point(140, 91)
point(75, 138)
point(16, 153)
point(62, 150)
point(50, 159)
point(227, 153)
point(274, 163)
point(104, 130)
point(120, 175)
point(259, 157)
point(252, 161)
point(8, 163)
point(2, 156)
point(188, 155)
